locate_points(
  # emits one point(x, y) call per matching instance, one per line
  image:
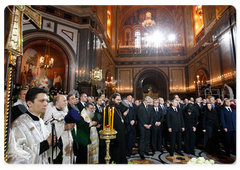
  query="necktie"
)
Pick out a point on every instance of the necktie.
point(175, 109)
point(156, 112)
point(229, 110)
point(213, 106)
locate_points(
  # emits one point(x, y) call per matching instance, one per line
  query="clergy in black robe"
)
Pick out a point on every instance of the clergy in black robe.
point(117, 146)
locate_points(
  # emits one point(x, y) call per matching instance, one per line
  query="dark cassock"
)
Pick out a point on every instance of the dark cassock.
point(117, 145)
point(144, 118)
point(190, 117)
point(175, 122)
point(157, 116)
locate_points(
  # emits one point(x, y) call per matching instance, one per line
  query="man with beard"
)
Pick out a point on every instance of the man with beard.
point(93, 147)
point(20, 106)
point(56, 115)
point(117, 149)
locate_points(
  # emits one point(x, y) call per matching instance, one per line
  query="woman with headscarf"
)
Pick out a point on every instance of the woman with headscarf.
point(190, 116)
point(211, 128)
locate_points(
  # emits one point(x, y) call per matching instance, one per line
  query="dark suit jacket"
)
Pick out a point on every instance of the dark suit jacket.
point(98, 115)
point(175, 120)
point(190, 120)
point(157, 118)
point(228, 119)
point(80, 106)
point(144, 116)
point(165, 109)
point(210, 118)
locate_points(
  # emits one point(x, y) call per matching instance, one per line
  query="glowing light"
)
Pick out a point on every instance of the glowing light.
point(171, 37)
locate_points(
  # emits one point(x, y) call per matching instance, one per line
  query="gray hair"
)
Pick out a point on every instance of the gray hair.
point(211, 97)
point(147, 98)
point(155, 100)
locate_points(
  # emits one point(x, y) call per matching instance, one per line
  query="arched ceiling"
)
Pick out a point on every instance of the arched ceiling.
point(169, 19)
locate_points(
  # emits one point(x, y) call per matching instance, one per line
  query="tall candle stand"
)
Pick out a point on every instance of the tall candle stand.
point(108, 133)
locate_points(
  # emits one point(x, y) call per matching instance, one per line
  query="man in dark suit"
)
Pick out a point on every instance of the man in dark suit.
point(179, 104)
point(71, 102)
point(98, 115)
point(131, 129)
point(157, 126)
point(199, 108)
point(175, 127)
point(83, 100)
point(164, 125)
point(144, 120)
point(228, 119)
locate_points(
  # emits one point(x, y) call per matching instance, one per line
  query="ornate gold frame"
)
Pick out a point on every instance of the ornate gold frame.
point(14, 48)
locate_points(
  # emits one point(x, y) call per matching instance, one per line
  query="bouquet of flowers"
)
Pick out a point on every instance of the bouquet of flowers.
point(200, 161)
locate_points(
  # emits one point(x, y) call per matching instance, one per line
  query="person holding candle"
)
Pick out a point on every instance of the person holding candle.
point(117, 149)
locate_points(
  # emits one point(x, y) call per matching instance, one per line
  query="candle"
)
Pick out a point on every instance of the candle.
point(112, 116)
point(104, 118)
point(109, 116)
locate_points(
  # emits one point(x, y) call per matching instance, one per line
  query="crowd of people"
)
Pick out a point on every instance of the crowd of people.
point(66, 130)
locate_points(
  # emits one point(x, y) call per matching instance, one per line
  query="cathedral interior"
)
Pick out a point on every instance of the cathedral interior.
point(162, 50)
point(141, 50)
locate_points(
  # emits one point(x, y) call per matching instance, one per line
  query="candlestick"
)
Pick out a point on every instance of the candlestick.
point(112, 116)
point(104, 112)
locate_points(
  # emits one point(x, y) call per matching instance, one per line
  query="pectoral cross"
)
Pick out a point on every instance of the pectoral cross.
point(14, 48)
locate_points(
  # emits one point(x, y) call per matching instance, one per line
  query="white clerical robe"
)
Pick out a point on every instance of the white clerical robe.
point(93, 148)
point(25, 137)
point(65, 135)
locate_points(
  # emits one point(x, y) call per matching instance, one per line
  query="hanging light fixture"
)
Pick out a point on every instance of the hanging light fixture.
point(46, 61)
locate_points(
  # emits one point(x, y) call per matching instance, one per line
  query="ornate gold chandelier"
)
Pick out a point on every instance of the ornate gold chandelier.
point(46, 61)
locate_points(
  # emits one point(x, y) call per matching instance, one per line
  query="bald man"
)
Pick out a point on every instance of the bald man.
point(63, 130)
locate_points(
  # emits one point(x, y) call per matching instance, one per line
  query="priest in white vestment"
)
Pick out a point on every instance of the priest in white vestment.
point(58, 111)
point(29, 139)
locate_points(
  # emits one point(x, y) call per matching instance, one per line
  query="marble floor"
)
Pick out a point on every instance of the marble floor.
point(165, 158)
